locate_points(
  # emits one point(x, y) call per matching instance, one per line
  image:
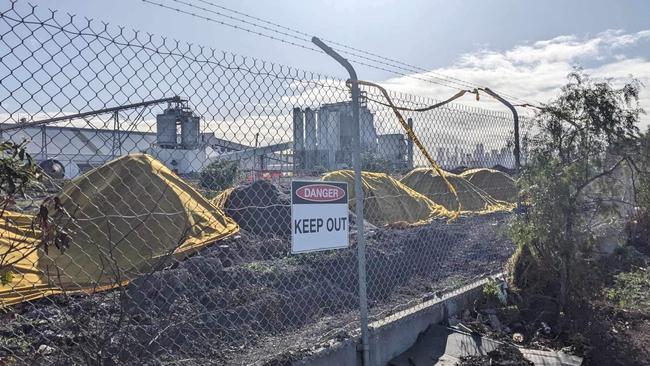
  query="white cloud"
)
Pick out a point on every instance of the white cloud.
point(536, 71)
point(619, 39)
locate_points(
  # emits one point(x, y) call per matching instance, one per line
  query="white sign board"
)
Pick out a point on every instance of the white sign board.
point(319, 216)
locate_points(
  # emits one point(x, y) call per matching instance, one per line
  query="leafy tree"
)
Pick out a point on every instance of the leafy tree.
point(639, 227)
point(582, 138)
point(219, 174)
point(17, 168)
point(17, 172)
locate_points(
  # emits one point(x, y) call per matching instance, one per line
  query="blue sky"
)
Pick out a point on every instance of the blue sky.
point(523, 48)
point(423, 32)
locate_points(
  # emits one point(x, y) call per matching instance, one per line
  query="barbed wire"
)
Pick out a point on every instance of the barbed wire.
point(291, 43)
point(302, 34)
point(410, 67)
point(369, 62)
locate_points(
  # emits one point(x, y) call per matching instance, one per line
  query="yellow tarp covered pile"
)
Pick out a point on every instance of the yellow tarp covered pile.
point(471, 198)
point(497, 184)
point(129, 216)
point(220, 199)
point(388, 201)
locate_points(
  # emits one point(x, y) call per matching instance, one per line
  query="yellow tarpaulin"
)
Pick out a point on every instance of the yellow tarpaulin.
point(387, 201)
point(220, 199)
point(471, 198)
point(497, 184)
point(130, 215)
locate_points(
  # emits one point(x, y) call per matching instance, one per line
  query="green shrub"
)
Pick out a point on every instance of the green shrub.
point(581, 143)
point(631, 290)
point(639, 228)
point(219, 174)
point(491, 289)
point(17, 168)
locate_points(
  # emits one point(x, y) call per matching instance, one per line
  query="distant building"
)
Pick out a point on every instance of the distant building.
point(479, 158)
point(81, 149)
point(322, 138)
point(392, 147)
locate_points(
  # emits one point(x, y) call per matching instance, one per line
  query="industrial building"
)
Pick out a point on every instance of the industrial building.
point(178, 142)
point(480, 157)
point(322, 138)
point(392, 147)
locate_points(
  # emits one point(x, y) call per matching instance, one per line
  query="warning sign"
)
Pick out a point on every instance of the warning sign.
point(319, 216)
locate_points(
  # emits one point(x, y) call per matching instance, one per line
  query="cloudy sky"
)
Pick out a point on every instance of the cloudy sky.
point(521, 48)
point(536, 70)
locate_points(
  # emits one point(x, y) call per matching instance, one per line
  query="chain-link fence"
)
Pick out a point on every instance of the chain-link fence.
point(164, 236)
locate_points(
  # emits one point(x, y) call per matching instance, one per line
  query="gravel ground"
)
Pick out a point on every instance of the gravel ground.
point(246, 300)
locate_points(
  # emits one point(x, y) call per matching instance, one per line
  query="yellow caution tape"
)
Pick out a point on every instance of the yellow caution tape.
point(411, 134)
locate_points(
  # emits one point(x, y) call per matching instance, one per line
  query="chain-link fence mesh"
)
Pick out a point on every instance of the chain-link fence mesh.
point(443, 255)
point(164, 237)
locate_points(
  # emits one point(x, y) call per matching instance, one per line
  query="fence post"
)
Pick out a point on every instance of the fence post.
point(358, 189)
point(409, 145)
point(515, 116)
point(43, 143)
point(117, 139)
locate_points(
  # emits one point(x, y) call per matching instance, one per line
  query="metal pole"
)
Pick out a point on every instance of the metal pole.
point(515, 115)
point(116, 133)
point(43, 143)
point(410, 144)
point(358, 189)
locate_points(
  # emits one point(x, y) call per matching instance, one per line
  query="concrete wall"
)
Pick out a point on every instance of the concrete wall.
point(390, 338)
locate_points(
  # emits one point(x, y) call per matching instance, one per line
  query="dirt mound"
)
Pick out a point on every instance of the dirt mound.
point(387, 201)
point(130, 215)
point(427, 182)
point(497, 184)
point(245, 299)
point(259, 207)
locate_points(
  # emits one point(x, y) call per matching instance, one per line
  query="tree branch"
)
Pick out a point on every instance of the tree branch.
point(596, 177)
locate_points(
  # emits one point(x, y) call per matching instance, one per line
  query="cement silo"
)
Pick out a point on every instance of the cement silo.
point(329, 135)
point(190, 132)
point(181, 152)
point(335, 133)
point(311, 148)
point(392, 147)
point(298, 140)
point(167, 124)
point(166, 128)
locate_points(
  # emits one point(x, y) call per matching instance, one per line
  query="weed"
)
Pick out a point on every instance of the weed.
point(631, 290)
point(491, 289)
point(6, 278)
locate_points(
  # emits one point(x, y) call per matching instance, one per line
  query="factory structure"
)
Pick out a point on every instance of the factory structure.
point(322, 138)
point(480, 157)
point(177, 142)
point(321, 141)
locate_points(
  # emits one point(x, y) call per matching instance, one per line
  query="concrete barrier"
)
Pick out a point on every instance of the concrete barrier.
point(391, 336)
